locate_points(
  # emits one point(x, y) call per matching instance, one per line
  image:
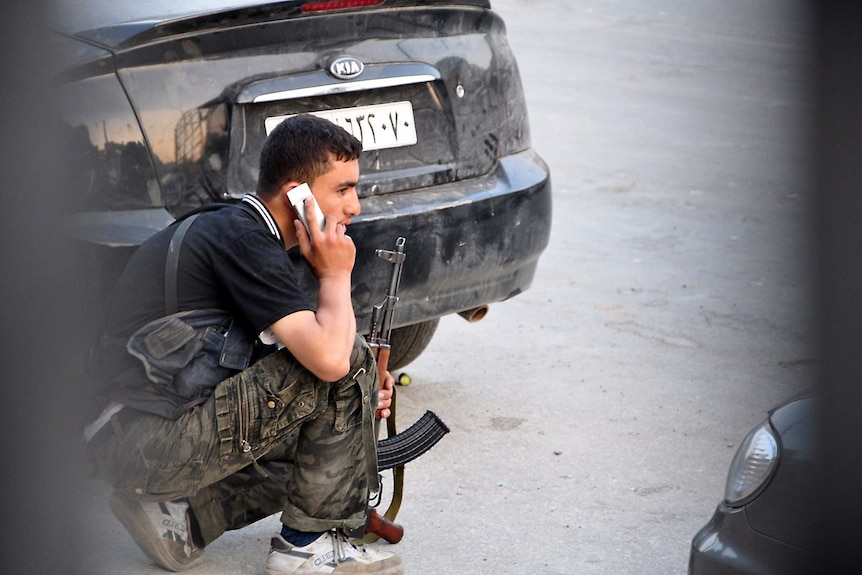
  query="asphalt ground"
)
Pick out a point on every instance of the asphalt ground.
point(593, 417)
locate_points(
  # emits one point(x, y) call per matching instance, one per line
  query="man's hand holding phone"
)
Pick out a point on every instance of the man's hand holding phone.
point(324, 244)
point(299, 198)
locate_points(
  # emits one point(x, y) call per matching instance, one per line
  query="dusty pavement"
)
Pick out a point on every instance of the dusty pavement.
point(593, 417)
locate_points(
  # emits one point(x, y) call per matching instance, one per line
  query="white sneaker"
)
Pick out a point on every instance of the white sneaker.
point(161, 530)
point(332, 552)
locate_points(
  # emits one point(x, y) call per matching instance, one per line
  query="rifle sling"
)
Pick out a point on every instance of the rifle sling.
point(397, 471)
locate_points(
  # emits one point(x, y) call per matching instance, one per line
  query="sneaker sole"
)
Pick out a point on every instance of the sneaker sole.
point(392, 571)
point(136, 523)
point(350, 569)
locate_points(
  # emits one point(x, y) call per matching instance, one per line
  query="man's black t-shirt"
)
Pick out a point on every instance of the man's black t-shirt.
point(232, 259)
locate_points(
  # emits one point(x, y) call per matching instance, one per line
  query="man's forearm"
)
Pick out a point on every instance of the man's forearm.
point(322, 341)
point(335, 314)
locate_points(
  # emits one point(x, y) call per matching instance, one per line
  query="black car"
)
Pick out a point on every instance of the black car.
point(765, 523)
point(164, 106)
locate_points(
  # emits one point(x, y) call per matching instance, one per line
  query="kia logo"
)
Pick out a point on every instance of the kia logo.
point(346, 68)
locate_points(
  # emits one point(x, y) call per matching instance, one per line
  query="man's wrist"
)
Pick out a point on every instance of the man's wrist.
point(335, 276)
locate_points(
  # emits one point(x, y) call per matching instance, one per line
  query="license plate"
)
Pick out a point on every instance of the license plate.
point(377, 127)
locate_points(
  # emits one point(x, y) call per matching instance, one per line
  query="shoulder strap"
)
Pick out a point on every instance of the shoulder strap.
point(173, 258)
point(172, 263)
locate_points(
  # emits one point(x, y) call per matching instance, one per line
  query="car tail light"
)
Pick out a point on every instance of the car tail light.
point(339, 5)
point(752, 466)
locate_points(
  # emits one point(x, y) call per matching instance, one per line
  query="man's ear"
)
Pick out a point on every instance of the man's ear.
point(286, 187)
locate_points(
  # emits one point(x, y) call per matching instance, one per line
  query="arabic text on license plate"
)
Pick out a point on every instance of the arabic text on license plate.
point(377, 127)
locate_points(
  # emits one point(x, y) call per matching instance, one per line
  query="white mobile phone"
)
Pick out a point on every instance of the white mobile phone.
point(297, 199)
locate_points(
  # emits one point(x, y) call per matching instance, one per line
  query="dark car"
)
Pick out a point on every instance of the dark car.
point(766, 522)
point(164, 106)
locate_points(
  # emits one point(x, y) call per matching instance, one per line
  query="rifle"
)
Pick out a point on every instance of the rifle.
point(383, 313)
point(397, 449)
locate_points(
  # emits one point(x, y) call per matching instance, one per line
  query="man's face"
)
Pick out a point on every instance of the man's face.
point(335, 191)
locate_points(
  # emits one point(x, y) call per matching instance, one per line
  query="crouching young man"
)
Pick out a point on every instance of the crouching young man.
point(227, 394)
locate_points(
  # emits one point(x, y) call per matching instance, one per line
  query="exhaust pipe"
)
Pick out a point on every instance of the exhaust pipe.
point(475, 314)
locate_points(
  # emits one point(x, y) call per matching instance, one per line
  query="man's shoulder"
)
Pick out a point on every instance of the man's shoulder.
point(217, 214)
point(226, 224)
point(229, 238)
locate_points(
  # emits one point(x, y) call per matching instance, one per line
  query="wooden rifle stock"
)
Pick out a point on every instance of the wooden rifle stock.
point(383, 363)
point(383, 528)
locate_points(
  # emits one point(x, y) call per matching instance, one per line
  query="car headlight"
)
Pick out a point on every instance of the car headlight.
point(753, 464)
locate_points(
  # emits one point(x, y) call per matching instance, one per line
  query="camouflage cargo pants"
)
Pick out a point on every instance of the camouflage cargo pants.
point(271, 438)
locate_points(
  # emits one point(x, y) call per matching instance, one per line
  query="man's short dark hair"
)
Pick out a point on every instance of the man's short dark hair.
point(300, 149)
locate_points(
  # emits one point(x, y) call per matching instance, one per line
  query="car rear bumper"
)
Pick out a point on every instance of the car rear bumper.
point(469, 243)
point(728, 544)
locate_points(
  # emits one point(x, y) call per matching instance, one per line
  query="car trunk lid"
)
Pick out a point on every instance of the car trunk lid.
point(431, 88)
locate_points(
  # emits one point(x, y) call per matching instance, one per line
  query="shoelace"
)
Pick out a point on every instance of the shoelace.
point(339, 542)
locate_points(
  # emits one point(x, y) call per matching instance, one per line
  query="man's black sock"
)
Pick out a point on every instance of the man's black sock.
point(299, 538)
